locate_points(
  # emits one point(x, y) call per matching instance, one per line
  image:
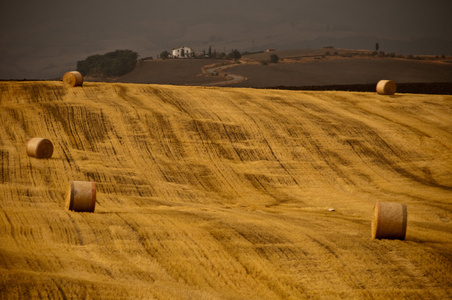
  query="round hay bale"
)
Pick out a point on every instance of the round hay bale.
point(39, 148)
point(81, 196)
point(386, 87)
point(389, 221)
point(73, 78)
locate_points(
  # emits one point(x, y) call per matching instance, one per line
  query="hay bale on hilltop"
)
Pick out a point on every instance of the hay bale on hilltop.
point(81, 196)
point(389, 221)
point(72, 79)
point(386, 87)
point(39, 147)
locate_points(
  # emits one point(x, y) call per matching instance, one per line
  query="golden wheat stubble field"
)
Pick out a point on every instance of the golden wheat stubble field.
point(222, 193)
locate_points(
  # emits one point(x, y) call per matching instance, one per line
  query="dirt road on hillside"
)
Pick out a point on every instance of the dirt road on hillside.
point(219, 70)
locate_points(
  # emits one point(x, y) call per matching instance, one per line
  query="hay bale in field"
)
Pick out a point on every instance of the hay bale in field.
point(386, 87)
point(389, 221)
point(73, 78)
point(39, 148)
point(81, 196)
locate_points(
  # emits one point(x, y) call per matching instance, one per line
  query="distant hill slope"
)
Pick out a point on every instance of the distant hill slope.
point(221, 193)
point(171, 71)
point(338, 69)
point(343, 72)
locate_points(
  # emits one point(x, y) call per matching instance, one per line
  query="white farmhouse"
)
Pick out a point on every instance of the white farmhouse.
point(184, 52)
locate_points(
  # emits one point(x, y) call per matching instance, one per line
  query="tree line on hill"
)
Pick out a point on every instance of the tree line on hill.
point(233, 55)
point(111, 64)
point(121, 62)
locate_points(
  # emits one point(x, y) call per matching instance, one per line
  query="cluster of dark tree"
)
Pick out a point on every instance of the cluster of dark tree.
point(110, 64)
point(233, 55)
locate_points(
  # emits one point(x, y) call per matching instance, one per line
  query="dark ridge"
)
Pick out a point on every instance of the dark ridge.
point(25, 79)
point(432, 88)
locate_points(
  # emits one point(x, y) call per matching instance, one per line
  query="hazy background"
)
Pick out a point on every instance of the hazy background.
point(43, 39)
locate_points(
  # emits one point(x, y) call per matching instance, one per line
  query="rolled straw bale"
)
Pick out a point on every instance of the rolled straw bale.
point(39, 148)
point(389, 221)
point(81, 196)
point(73, 78)
point(386, 87)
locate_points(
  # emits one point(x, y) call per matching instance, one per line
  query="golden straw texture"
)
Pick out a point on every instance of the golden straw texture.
point(389, 221)
point(81, 196)
point(386, 87)
point(223, 193)
point(72, 79)
point(39, 148)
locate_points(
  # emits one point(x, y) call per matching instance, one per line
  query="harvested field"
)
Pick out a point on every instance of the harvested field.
point(342, 72)
point(171, 71)
point(223, 193)
point(303, 54)
point(349, 74)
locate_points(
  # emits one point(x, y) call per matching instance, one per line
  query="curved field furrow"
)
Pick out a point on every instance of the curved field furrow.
point(222, 193)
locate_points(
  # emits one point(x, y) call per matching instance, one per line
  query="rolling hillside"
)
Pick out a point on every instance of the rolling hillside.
point(343, 72)
point(348, 70)
point(223, 193)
